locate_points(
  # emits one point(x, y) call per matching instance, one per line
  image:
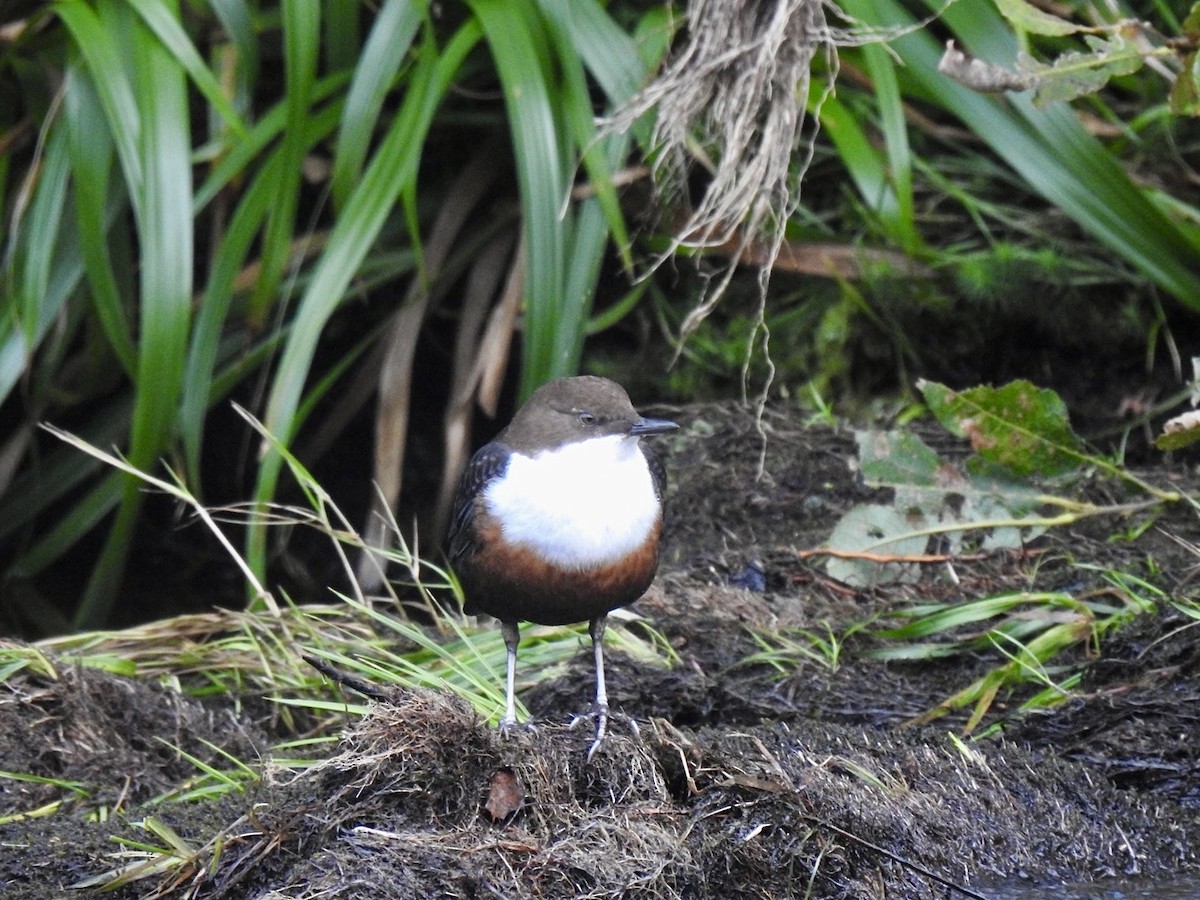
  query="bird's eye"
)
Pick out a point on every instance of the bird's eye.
point(586, 418)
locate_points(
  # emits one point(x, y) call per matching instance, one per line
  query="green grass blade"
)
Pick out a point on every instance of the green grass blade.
point(586, 36)
point(94, 41)
point(862, 161)
point(522, 55)
point(232, 251)
point(242, 155)
point(892, 121)
point(939, 618)
point(611, 56)
point(586, 242)
point(163, 20)
point(394, 165)
point(301, 41)
point(166, 240)
point(210, 318)
point(91, 159)
point(45, 269)
point(1121, 215)
point(236, 18)
point(588, 222)
point(388, 44)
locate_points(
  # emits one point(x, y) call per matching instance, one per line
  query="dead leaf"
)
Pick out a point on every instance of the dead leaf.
point(505, 796)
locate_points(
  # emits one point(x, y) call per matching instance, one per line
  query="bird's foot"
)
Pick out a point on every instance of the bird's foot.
point(601, 714)
point(508, 728)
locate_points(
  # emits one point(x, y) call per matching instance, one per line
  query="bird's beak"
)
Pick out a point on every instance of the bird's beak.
point(651, 426)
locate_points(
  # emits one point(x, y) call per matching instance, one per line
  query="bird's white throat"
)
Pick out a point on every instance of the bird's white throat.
point(580, 505)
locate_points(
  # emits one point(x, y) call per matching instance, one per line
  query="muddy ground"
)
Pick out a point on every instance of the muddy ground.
point(746, 780)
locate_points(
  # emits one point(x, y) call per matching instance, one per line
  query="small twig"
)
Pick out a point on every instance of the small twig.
point(346, 679)
point(892, 558)
point(907, 863)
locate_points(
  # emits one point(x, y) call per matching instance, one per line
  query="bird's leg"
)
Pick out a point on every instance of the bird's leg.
point(512, 636)
point(596, 629)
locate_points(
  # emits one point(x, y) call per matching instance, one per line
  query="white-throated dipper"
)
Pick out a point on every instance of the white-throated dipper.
point(557, 520)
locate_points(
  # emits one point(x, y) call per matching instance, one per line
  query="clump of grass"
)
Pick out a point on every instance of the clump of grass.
point(69, 789)
point(1036, 633)
point(787, 648)
point(176, 861)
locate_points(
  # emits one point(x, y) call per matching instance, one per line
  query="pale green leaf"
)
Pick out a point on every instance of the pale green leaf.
point(1078, 74)
point(1185, 92)
point(47, 266)
point(891, 458)
point(104, 61)
point(1024, 16)
point(876, 530)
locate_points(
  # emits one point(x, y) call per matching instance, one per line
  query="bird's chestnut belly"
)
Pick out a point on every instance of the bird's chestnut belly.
point(513, 582)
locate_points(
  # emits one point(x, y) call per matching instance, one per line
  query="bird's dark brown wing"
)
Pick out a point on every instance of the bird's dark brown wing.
point(488, 463)
point(658, 472)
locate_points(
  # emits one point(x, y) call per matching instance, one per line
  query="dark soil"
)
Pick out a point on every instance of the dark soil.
point(745, 780)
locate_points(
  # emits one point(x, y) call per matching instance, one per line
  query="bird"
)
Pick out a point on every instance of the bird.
point(557, 520)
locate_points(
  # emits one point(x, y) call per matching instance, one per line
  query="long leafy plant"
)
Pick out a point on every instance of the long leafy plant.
point(193, 193)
